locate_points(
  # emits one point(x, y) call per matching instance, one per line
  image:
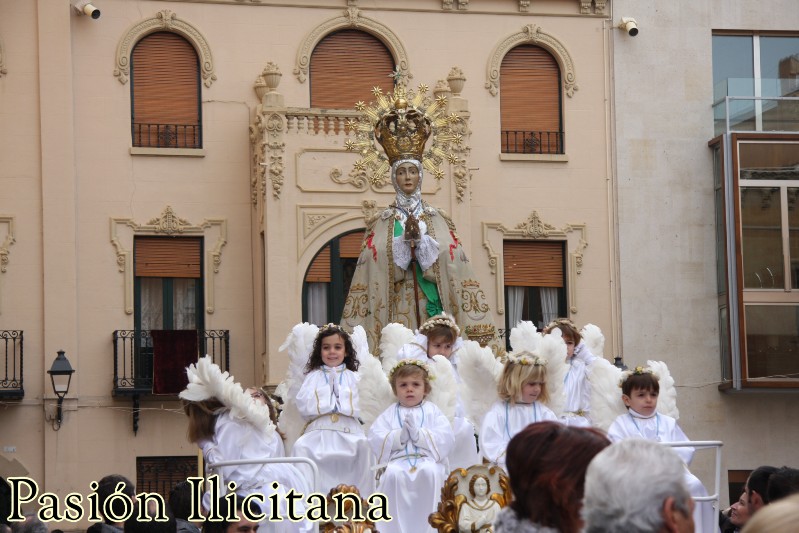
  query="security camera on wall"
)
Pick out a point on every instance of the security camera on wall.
point(84, 7)
point(629, 25)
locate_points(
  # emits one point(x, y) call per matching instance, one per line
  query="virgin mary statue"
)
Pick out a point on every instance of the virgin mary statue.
point(412, 265)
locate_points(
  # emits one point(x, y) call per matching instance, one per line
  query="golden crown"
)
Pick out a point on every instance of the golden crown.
point(402, 122)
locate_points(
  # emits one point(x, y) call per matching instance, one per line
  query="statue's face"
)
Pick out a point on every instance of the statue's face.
point(480, 487)
point(407, 177)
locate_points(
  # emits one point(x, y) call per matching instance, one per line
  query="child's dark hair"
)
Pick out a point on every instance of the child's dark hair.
point(445, 333)
point(405, 370)
point(640, 380)
point(315, 360)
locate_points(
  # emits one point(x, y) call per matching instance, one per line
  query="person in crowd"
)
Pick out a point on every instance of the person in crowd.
point(180, 503)
point(241, 523)
point(329, 402)
point(412, 438)
point(227, 424)
point(134, 525)
point(31, 524)
point(440, 335)
point(546, 465)
point(783, 482)
point(105, 488)
point(757, 487)
point(637, 486)
point(777, 517)
point(522, 391)
point(640, 389)
point(734, 519)
point(577, 387)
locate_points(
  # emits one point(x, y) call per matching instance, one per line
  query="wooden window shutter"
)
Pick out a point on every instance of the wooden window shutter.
point(530, 98)
point(349, 246)
point(168, 257)
point(345, 66)
point(319, 271)
point(165, 92)
point(533, 263)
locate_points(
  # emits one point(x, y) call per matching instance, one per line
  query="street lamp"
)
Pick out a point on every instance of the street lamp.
point(61, 376)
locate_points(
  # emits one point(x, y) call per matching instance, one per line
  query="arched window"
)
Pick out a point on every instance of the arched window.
point(344, 68)
point(327, 280)
point(532, 121)
point(165, 92)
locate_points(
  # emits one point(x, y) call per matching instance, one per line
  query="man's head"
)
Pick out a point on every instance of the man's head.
point(757, 487)
point(107, 486)
point(242, 525)
point(149, 524)
point(31, 524)
point(782, 483)
point(637, 486)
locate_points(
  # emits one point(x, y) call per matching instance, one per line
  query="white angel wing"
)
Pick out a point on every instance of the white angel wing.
point(206, 380)
point(299, 344)
point(444, 385)
point(480, 372)
point(667, 399)
point(393, 337)
point(606, 402)
point(594, 339)
point(374, 390)
point(525, 337)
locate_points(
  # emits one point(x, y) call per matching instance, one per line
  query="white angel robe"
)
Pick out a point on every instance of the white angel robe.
point(503, 421)
point(464, 454)
point(577, 388)
point(663, 428)
point(237, 439)
point(415, 472)
point(333, 436)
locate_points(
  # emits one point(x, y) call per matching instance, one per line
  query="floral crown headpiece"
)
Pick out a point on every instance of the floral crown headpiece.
point(443, 319)
point(334, 327)
point(525, 359)
point(637, 371)
point(560, 322)
point(415, 362)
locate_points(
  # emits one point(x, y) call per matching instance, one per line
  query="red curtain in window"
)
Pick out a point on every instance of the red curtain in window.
point(165, 92)
point(530, 99)
point(344, 68)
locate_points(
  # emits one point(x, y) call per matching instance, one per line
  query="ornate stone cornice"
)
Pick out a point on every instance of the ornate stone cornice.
point(164, 20)
point(168, 223)
point(536, 229)
point(7, 225)
point(352, 18)
point(531, 34)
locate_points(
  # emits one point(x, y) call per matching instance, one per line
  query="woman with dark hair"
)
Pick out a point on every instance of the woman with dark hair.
point(546, 465)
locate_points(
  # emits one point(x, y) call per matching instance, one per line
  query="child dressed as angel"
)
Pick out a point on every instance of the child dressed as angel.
point(328, 401)
point(440, 335)
point(522, 391)
point(414, 438)
point(640, 388)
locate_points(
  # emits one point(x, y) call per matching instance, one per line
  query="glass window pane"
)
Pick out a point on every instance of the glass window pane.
point(793, 234)
point(769, 161)
point(762, 238)
point(152, 303)
point(733, 61)
point(771, 341)
point(779, 65)
point(184, 303)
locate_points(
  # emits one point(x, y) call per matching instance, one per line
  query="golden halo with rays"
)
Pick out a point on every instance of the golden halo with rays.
point(395, 107)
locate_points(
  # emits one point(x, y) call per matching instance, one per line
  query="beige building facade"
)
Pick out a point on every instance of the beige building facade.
point(622, 206)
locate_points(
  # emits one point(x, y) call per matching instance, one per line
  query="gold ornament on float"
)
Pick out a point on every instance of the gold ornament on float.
point(402, 122)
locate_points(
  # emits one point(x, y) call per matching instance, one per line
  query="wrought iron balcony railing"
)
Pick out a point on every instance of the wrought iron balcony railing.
point(11, 364)
point(167, 135)
point(133, 358)
point(532, 142)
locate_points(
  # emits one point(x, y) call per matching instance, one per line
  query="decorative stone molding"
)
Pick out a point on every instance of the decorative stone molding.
point(7, 225)
point(164, 20)
point(599, 7)
point(3, 69)
point(447, 4)
point(266, 136)
point(461, 174)
point(531, 34)
point(575, 235)
point(585, 7)
point(352, 18)
point(524, 6)
point(314, 221)
point(169, 224)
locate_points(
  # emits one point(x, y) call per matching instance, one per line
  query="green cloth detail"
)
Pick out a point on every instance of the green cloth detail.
point(428, 287)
